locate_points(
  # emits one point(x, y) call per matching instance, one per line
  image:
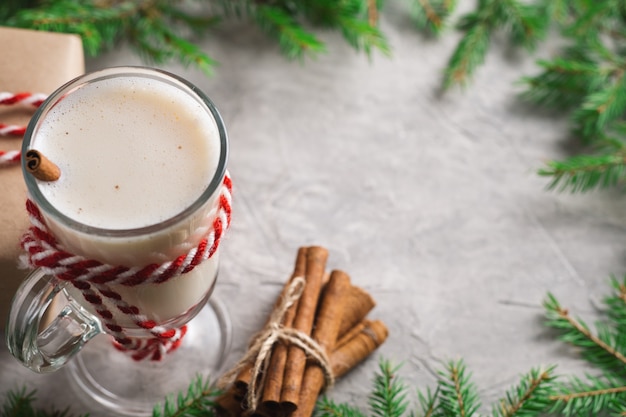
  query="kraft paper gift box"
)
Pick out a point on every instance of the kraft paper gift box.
point(36, 62)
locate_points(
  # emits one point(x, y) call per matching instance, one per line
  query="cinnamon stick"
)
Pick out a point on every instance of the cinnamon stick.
point(350, 334)
point(279, 354)
point(270, 399)
point(229, 404)
point(41, 167)
point(331, 310)
point(243, 380)
point(351, 353)
point(361, 303)
point(325, 334)
point(303, 322)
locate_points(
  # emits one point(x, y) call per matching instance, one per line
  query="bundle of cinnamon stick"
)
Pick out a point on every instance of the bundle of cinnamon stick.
point(332, 312)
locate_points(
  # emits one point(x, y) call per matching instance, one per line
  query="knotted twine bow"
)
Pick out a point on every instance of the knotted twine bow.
point(260, 349)
point(94, 278)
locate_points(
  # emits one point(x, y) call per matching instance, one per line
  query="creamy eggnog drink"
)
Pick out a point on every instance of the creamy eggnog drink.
point(141, 160)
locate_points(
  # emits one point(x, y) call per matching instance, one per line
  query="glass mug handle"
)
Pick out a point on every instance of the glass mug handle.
point(49, 349)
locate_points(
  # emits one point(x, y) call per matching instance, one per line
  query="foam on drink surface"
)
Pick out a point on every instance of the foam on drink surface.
point(132, 152)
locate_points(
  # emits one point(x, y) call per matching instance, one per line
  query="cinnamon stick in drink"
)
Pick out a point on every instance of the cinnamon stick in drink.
point(41, 167)
point(303, 322)
point(325, 334)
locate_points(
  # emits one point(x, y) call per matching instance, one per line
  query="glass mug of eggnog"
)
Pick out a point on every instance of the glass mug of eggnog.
point(129, 197)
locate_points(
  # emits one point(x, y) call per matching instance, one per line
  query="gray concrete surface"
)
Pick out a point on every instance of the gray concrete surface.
point(431, 203)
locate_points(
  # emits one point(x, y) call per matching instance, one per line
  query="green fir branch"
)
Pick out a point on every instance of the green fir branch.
point(563, 83)
point(616, 305)
point(20, 403)
point(9, 8)
point(329, 408)
point(601, 349)
point(233, 8)
point(458, 396)
point(530, 398)
point(428, 401)
point(583, 173)
point(468, 56)
point(357, 21)
point(595, 18)
point(198, 400)
point(100, 25)
point(159, 29)
point(616, 408)
point(294, 41)
point(527, 23)
point(197, 23)
point(388, 398)
point(589, 397)
point(157, 43)
point(594, 395)
point(557, 11)
point(363, 36)
point(432, 16)
point(601, 108)
point(150, 26)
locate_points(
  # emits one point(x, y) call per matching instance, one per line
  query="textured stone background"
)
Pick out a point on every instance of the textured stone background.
point(430, 202)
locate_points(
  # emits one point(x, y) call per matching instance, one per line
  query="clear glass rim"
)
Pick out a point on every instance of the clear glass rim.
point(136, 71)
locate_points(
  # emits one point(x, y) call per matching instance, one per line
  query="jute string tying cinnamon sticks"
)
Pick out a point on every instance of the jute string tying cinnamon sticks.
point(258, 353)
